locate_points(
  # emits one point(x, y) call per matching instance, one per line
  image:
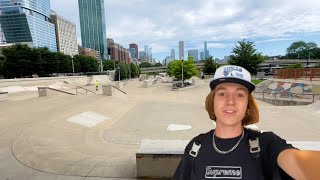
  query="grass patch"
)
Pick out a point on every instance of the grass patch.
point(257, 81)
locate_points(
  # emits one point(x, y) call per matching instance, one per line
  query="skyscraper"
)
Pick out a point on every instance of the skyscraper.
point(173, 54)
point(206, 52)
point(135, 46)
point(201, 55)
point(181, 50)
point(93, 26)
point(193, 53)
point(66, 35)
point(28, 21)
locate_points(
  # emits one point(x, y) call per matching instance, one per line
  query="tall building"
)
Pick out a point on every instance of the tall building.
point(28, 21)
point(167, 60)
point(135, 46)
point(66, 35)
point(117, 52)
point(173, 54)
point(132, 53)
point(205, 50)
point(89, 52)
point(181, 50)
point(201, 55)
point(194, 53)
point(142, 56)
point(93, 26)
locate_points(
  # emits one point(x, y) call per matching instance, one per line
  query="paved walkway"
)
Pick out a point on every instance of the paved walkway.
point(37, 141)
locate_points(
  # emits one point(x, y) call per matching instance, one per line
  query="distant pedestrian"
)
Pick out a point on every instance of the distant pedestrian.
point(202, 75)
point(97, 85)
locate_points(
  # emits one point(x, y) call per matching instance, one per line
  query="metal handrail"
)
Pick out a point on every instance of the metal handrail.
point(291, 95)
point(84, 89)
point(119, 89)
point(65, 92)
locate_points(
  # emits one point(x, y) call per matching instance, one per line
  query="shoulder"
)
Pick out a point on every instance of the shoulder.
point(198, 139)
point(273, 143)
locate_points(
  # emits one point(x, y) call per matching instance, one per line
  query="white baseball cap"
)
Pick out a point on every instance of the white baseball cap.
point(231, 73)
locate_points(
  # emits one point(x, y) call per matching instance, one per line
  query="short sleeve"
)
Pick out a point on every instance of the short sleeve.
point(272, 145)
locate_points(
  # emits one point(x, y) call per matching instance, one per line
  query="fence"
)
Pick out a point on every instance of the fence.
point(308, 73)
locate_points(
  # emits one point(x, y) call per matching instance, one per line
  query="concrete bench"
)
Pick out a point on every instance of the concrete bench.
point(149, 82)
point(3, 96)
point(160, 158)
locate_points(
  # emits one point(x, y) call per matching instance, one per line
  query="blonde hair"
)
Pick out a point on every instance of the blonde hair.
point(252, 114)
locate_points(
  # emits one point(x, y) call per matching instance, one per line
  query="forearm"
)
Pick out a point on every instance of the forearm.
point(301, 165)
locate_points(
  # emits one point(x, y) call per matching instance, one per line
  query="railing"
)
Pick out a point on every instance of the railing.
point(291, 97)
point(310, 73)
point(119, 89)
point(87, 90)
point(56, 90)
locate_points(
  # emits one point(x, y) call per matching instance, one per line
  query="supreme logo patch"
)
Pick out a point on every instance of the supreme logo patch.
point(218, 172)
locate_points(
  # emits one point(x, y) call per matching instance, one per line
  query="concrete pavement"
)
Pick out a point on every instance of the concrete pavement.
point(37, 141)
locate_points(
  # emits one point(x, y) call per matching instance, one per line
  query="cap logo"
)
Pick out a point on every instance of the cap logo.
point(233, 71)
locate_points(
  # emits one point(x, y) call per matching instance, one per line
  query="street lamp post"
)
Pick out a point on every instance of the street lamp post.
point(72, 66)
point(119, 72)
point(182, 73)
point(308, 60)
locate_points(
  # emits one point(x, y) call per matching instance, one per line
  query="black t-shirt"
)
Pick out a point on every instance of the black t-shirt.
point(238, 164)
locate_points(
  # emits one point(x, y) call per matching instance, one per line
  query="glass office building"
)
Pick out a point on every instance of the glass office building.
point(93, 26)
point(28, 21)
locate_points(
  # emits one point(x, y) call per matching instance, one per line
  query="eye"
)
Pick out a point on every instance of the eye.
point(221, 94)
point(241, 95)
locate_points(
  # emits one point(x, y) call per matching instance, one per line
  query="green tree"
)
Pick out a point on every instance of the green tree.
point(18, 61)
point(109, 64)
point(157, 65)
point(245, 55)
point(134, 70)
point(294, 66)
point(2, 67)
point(174, 68)
point(128, 71)
point(50, 62)
point(301, 50)
point(209, 66)
point(145, 64)
point(123, 72)
point(87, 63)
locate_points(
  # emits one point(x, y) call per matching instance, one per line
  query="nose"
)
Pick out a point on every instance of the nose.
point(230, 100)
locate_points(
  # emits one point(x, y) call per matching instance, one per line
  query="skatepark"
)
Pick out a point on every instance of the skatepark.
point(93, 136)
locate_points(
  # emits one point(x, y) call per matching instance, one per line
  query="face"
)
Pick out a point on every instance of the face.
point(230, 104)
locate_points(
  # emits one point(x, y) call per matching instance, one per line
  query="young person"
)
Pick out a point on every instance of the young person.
point(231, 151)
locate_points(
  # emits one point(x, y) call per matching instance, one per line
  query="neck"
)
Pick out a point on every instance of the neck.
point(228, 132)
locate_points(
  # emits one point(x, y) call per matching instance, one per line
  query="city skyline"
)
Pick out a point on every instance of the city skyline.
point(272, 25)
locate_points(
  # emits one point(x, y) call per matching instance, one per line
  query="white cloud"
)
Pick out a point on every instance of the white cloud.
point(163, 23)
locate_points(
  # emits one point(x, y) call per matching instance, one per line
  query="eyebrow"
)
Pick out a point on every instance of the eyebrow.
point(239, 88)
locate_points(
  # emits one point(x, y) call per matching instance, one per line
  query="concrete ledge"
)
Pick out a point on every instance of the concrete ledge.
point(149, 82)
point(281, 102)
point(160, 158)
point(110, 90)
point(3, 96)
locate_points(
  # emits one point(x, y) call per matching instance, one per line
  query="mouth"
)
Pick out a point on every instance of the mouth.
point(229, 111)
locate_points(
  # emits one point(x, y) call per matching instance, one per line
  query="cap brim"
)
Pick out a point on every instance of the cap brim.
point(249, 85)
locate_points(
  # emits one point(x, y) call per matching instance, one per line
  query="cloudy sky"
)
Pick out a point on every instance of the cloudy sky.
point(272, 25)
